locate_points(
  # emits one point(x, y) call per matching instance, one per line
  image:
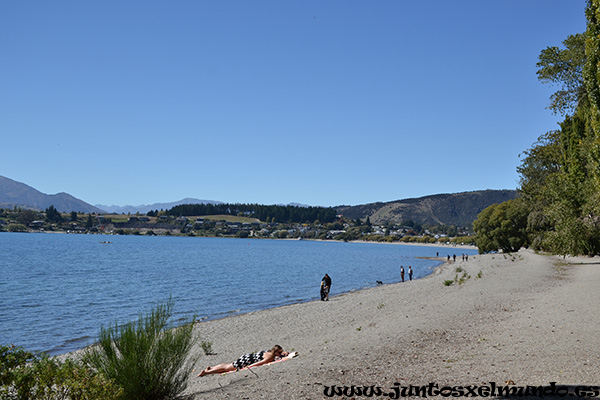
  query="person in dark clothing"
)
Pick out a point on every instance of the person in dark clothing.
point(325, 287)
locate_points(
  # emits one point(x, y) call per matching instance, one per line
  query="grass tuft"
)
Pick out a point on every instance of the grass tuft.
point(147, 358)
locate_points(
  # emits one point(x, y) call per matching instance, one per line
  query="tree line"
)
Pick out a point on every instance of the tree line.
point(267, 213)
point(558, 207)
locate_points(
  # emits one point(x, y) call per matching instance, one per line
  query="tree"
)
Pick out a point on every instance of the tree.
point(52, 215)
point(564, 67)
point(89, 223)
point(27, 216)
point(560, 174)
point(591, 71)
point(502, 227)
point(74, 216)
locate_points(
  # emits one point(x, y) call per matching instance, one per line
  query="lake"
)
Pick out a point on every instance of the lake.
point(57, 290)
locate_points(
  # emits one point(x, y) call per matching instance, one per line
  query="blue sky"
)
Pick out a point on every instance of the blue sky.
point(315, 102)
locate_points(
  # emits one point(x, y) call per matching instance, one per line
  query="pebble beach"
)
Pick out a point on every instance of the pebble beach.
point(522, 318)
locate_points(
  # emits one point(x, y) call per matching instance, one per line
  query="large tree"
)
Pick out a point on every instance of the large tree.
point(564, 68)
point(501, 227)
point(560, 174)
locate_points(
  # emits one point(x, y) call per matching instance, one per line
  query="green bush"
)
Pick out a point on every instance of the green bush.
point(25, 375)
point(147, 358)
point(206, 347)
point(12, 358)
point(17, 228)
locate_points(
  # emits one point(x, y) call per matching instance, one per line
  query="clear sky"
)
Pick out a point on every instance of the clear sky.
point(310, 101)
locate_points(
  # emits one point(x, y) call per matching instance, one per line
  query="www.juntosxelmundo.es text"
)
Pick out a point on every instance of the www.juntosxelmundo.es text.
point(398, 390)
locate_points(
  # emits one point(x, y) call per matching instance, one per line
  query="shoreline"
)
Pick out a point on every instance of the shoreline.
point(73, 338)
point(237, 313)
point(517, 318)
point(443, 245)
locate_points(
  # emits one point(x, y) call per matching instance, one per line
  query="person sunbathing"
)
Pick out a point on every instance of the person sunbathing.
point(247, 361)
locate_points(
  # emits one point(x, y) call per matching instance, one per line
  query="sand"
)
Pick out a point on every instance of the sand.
point(527, 318)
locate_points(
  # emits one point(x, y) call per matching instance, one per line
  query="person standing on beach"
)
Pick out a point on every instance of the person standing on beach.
point(325, 287)
point(402, 273)
point(410, 272)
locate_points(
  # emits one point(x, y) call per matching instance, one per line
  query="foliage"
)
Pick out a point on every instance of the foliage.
point(206, 347)
point(269, 213)
point(12, 357)
point(52, 215)
point(16, 228)
point(591, 71)
point(25, 375)
point(502, 226)
point(89, 223)
point(27, 216)
point(147, 358)
point(560, 174)
point(242, 234)
point(564, 67)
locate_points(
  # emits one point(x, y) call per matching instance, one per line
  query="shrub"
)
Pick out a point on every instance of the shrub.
point(25, 375)
point(12, 358)
point(147, 358)
point(206, 347)
point(17, 228)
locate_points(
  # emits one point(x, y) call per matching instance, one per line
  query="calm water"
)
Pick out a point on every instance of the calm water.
point(57, 290)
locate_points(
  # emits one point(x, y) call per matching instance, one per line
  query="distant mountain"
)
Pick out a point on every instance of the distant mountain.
point(458, 209)
point(144, 208)
point(17, 194)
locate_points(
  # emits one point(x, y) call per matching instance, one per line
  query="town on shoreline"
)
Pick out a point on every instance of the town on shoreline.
point(232, 226)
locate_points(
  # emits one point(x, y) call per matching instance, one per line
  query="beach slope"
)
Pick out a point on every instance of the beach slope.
point(524, 318)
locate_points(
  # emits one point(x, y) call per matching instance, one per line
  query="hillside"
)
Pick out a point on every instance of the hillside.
point(144, 208)
point(17, 194)
point(458, 209)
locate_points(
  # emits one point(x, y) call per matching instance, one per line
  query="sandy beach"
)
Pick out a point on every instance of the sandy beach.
point(524, 318)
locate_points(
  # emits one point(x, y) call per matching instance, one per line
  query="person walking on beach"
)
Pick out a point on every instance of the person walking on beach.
point(402, 273)
point(410, 272)
point(325, 287)
point(247, 361)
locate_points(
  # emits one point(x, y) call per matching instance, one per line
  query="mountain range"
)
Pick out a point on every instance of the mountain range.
point(17, 194)
point(144, 208)
point(458, 209)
